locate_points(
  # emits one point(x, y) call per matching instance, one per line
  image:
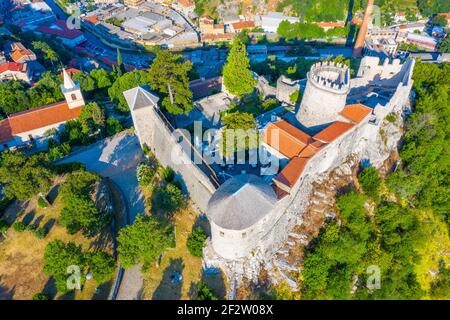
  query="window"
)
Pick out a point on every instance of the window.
point(31, 137)
point(73, 96)
point(222, 234)
point(244, 235)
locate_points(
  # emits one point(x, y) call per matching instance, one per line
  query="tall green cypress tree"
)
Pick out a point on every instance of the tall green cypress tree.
point(237, 77)
point(120, 67)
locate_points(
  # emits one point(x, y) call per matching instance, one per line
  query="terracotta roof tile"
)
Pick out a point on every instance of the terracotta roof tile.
point(285, 138)
point(333, 131)
point(330, 24)
point(291, 173)
point(243, 25)
point(60, 29)
point(12, 66)
point(37, 118)
point(356, 112)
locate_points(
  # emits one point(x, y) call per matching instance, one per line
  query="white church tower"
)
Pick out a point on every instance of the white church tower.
point(72, 92)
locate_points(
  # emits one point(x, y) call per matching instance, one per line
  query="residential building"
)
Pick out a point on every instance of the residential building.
point(70, 37)
point(32, 126)
point(21, 54)
point(421, 41)
point(15, 71)
point(133, 3)
point(237, 27)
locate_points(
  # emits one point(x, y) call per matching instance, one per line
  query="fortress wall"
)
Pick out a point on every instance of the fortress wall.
point(153, 132)
point(364, 142)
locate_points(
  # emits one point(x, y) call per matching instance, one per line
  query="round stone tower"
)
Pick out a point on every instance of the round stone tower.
point(327, 86)
point(240, 215)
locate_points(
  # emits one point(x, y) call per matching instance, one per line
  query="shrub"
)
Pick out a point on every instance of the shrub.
point(113, 126)
point(31, 227)
point(391, 117)
point(168, 199)
point(40, 233)
point(196, 242)
point(69, 167)
point(42, 202)
point(3, 226)
point(144, 174)
point(40, 296)
point(81, 214)
point(19, 226)
point(370, 181)
point(144, 241)
point(205, 293)
point(168, 174)
point(101, 265)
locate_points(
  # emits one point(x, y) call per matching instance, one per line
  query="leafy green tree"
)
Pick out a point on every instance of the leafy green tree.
point(370, 181)
point(205, 293)
point(439, 20)
point(143, 241)
point(237, 76)
point(24, 176)
point(444, 45)
point(168, 199)
point(58, 257)
point(101, 265)
point(102, 78)
point(87, 83)
point(79, 183)
point(40, 296)
point(196, 242)
point(3, 226)
point(168, 174)
point(127, 81)
point(81, 214)
point(168, 75)
point(113, 126)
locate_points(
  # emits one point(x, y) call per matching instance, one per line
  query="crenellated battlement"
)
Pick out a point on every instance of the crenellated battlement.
point(330, 75)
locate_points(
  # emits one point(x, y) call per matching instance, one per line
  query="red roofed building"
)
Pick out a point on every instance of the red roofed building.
point(333, 131)
point(21, 54)
point(356, 112)
point(70, 37)
point(14, 71)
point(242, 25)
point(285, 139)
point(31, 125)
point(287, 178)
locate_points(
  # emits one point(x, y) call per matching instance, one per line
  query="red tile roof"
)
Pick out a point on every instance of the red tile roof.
point(356, 112)
point(333, 131)
point(13, 66)
point(285, 138)
point(60, 29)
point(243, 25)
point(217, 37)
point(37, 118)
point(291, 173)
point(92, 19)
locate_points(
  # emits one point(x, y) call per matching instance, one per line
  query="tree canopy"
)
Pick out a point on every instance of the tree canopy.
point(143, 241)
point(237, 76)
point(168, 75)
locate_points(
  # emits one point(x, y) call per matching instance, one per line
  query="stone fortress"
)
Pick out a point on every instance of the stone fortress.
point(251, 216)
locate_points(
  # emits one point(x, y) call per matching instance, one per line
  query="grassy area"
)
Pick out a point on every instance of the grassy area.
point(21, 255)
point(157, 284)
